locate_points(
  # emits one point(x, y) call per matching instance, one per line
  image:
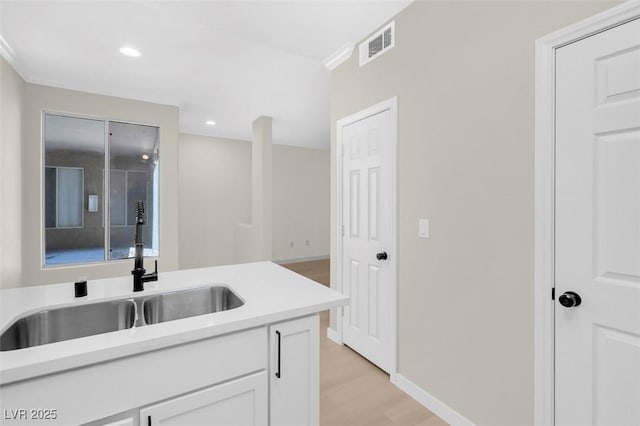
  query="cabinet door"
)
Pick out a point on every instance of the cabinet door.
point(241, 402)
point(294, 373)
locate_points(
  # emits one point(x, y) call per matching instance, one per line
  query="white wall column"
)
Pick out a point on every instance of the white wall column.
point(261, 186)
point(254, 240)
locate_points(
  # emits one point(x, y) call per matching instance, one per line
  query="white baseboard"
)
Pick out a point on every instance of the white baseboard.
point(436, 406)
point(301, 259)
point(333, 335)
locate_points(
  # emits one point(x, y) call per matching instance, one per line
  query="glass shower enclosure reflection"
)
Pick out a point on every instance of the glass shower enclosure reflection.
point(133, 177)
point(74, 154)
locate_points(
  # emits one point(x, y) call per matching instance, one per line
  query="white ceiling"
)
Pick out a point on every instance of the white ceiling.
point(227, 61)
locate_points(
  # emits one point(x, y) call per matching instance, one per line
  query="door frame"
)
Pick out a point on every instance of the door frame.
point(544, 265)
point(390, 104)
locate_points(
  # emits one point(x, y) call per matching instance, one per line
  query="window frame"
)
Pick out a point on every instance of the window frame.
point(126, 194)
point(82, 201)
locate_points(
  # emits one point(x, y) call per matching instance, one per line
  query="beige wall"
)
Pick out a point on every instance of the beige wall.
point(464, 76)
point(300, 203)
point(214, 195)
point(215, 183)
point(39, 98)
point(11, 110)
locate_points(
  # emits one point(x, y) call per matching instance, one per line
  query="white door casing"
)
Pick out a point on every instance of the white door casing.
point(367, 143)
point(597, 343)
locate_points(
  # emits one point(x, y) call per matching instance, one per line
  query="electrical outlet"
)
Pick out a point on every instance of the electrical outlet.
point(291, 244)
point(307, 243)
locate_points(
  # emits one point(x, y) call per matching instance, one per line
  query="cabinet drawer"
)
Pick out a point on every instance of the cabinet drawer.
point(240, 402)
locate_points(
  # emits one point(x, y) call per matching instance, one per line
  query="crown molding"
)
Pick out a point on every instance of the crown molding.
point(332, 61)
point(6, 51)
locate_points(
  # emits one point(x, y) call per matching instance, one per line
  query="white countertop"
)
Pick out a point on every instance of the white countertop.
point(271, 294)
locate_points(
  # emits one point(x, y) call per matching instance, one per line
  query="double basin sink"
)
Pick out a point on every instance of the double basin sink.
point(71, 322)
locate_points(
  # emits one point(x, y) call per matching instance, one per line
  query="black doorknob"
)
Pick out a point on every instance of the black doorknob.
point(382, 255)
point(569, 299)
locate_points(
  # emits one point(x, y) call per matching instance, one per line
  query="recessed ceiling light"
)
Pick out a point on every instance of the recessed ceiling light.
point(210, 123)
point(130, 51)
point(145, 156)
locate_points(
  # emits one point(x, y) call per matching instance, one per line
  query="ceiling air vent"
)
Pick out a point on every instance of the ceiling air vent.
point(377, 44)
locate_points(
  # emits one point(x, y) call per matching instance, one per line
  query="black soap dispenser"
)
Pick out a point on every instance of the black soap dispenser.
point(81, 287)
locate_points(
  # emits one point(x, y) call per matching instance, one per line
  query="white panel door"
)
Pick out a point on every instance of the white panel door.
point(366, 219)
point(240, 402)
point(598, 229)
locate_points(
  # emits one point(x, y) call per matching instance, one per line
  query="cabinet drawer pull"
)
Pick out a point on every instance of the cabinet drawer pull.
point(148, 420)
point(278, 370)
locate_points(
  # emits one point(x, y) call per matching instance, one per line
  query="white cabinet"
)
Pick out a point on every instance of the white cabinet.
point(294, 372)
point(227, 380)
point(241, 402)
point(291, 387)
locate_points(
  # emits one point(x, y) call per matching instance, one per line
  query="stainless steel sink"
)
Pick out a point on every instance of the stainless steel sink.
point(189, 303)
point(55, 325)
point(71, 322)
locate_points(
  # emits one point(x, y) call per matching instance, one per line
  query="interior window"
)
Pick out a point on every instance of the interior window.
point(81, 224)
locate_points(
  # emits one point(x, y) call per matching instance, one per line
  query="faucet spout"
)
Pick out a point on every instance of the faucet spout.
point(139, 273)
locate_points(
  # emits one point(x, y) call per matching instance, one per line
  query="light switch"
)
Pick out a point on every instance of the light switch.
point(423, 228)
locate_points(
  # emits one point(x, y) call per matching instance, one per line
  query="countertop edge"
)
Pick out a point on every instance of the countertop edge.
point(85, 359)
point(294, 296)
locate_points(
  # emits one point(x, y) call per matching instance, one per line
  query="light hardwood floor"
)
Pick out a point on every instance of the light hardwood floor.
point(354, 392)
